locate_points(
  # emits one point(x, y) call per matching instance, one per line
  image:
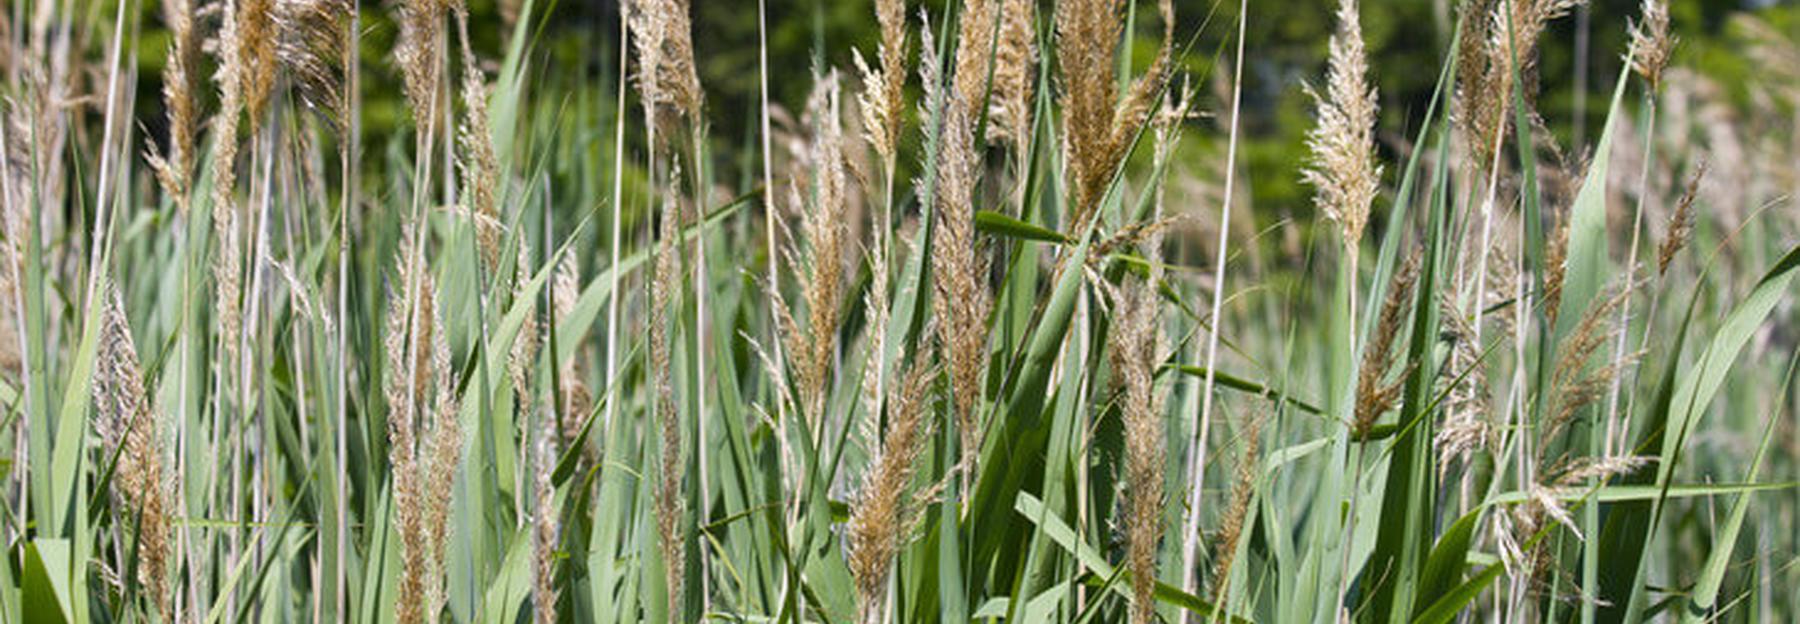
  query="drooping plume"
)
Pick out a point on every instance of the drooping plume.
point(311, 49)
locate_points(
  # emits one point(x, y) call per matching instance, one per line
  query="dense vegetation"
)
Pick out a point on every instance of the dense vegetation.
point(1084, 310)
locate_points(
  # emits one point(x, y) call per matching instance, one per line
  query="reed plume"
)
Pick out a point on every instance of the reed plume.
point(128, 426)
point(1497, 54)
point(1132, 347)
point(1014, 77)
point(884, 88)
point(312, 49)
point(975, 46)
point(545, 527)
point(175, 172)
point(15, 225)
point(1098, 127)
point(1243, 491)
point(1342, 167)
point(1681, 222)
point(236, 76)
point(1573, 384)
point(478, 161)
point(1556, 269)
point(254, 54)
point(576, 399)
point(885, 511)
point(424, 436)
point(820, 264)
point(1464, 430)
point(1651, 43)
point(1374, 395)
point(875, 304)
point(670, 505)
point(445, 457)
point(523, 355)
point(416, 51)
point(959, 273)
point(666, 73)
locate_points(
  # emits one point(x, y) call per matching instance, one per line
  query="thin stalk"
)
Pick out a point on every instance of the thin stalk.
point(1198, 468)
point(347, 152)
point(774, 253)
point(701, 283)
point(1487, 227)
point(1613, 430)
point(101, 221)
point(618, 206)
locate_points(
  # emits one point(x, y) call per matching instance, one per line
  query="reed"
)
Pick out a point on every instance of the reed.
point(1100, 126)
point(671, 507)
point(959, 271)
point(131, 431)
point(887, 509)
point(365, 394)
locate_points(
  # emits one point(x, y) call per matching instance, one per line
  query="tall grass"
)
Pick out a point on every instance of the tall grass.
point(958, 346)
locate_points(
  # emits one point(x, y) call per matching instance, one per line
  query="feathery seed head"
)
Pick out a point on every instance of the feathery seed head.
point(959, 271)
point(478, 161)
point(1556, 269)
point(523, 356)
point(1098, 129)
point(1131, 347)
point(1015, 75)
point(312, 47)
point(424, 436)
point(1651, 43)
point(819, 266)
point(1374, 396)
point(1243, 490)
point(417, 51)
point(1465, 430)
point(974, 51)
point(577, 399)
point(128, 424)
point(1499, 42)
point(1343, 167)
point(883, 98)
point(255, 52)
point(545, 527)
point(175, 171)
point(883, 514)
point(1573, 383)
point(1681, 222)
point(670, 504)
point(666, 73)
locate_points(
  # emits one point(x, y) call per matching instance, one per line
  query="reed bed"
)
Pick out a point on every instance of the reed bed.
point(948, 351)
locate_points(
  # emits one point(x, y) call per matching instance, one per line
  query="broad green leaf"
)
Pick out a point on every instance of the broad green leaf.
point(46, 581)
